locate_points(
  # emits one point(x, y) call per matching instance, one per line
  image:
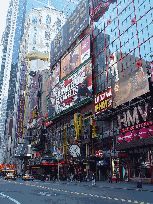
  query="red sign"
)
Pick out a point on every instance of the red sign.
point(128, 136)
point(151, 130)
point(120, 138)
point(135, 134)
point(144, 132)
point(99, 153)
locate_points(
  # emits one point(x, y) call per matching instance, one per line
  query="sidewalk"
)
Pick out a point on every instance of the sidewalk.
point(105, 184)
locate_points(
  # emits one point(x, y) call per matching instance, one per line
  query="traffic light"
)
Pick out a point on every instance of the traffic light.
point(95, 131)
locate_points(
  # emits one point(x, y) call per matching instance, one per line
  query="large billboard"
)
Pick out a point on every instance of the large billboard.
point(76, 57)
point(71, 90)
point(74, 26)
point(134, 85)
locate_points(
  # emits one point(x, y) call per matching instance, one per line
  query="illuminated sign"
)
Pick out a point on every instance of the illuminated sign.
point(76, 88)
point(103, 101)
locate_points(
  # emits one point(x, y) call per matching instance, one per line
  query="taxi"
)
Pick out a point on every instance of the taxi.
point(10, 176)
point(28, 177)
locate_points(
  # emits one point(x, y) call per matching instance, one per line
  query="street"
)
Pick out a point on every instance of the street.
point(66, 192)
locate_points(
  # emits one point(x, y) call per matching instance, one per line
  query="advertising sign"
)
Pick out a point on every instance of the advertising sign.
point(134, 85)
point(74, 26)
point(71, 90)
point(76, 57)
point(103, 101)
point(23, 76)
point(20, 117)
point(97, 6)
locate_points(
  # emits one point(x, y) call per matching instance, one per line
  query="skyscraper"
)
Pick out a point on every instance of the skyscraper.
point(11, 40)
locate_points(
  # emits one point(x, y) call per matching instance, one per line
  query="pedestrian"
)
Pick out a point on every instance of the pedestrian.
point(110, 177)
point(117, 176)
point(86, 177)
point(71, 177)
point(93, 179)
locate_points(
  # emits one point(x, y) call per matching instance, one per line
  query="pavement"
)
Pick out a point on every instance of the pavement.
point(105, 184)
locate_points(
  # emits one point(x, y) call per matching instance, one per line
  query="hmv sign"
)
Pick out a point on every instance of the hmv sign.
point(134, 118)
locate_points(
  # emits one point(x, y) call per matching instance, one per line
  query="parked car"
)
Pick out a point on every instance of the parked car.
point(10, 176)
point(28, 177)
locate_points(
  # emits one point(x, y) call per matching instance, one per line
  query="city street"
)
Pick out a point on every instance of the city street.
point(66, 192)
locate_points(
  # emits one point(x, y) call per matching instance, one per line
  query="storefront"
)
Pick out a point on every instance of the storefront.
point(135, 142)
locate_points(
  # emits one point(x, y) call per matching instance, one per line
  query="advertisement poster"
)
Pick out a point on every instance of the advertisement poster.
point(74, 26)
point(103, 101)
point(72, 90)
point(76, 57)
point(134, 85)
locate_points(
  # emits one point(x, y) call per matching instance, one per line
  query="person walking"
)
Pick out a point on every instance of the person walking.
point(93, 179)
point(117, 176)
point(110, 177)
point(86, 177)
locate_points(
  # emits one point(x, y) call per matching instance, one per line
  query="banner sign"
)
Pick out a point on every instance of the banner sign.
point(20, 117)
point(76, 57)
point(74, 26)
point(23, 75)
point(71, 90)
point(103, 101)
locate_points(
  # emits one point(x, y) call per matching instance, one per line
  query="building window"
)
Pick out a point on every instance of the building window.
point(35, 29)
point(33, 48)
point(34, 20)
point(47, 44)
point(47, 35)
point(58, 24)
point(48, 19)
point(35, 34)
point(34, 41)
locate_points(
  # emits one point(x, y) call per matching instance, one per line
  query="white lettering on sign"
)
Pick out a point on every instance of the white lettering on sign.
point(101, 97)
point(128, 119)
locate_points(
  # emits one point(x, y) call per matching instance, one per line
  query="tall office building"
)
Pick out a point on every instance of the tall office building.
point(11, 40)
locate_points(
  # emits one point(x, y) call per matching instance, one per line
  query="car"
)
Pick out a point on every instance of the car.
point(28, 177)
point(10, 176)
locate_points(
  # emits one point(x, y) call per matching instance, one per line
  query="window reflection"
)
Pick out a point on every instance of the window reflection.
point(121, 61)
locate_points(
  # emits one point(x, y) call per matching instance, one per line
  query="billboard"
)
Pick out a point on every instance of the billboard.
point(76, 57)
point(71, 90)
point(130, 87)
point(74, 26)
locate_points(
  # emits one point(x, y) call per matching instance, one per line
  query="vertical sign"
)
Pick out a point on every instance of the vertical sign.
point(20, 117)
